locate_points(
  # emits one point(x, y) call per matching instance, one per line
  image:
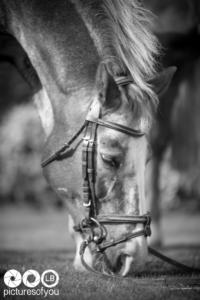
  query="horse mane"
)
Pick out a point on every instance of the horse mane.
point(121, 31)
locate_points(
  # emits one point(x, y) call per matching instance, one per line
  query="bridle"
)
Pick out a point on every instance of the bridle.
point(94, 224)
point(92, 227)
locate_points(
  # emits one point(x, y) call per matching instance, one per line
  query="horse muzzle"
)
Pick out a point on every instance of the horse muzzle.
point(96, 232)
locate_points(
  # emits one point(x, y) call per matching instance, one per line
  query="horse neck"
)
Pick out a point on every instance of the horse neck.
point(62, 52)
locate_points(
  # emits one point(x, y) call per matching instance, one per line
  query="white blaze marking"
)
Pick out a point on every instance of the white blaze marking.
point(144, 124)
point(45, 111)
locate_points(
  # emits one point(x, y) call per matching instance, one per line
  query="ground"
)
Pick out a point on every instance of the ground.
point(39, 240)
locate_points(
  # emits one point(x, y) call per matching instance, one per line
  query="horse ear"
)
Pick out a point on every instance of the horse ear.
point(108, 91)
point(162, 81)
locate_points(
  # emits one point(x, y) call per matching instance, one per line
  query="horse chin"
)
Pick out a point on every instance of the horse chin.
point(138, 251)
point(122, 268)
point(134, 266)
point(127, 265)
point(133, 257)
point(128, 262)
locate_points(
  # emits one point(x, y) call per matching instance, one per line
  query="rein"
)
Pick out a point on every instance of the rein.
point(93, 226)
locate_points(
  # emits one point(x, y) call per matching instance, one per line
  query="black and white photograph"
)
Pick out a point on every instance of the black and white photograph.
point(100, 149)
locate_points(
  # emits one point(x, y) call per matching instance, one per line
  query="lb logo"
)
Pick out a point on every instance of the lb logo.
point(50, 278)
point(31, 278)
point(12, 278)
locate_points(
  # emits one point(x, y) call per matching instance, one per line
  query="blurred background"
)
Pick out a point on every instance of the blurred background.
point(21, 135)
point(176, 141)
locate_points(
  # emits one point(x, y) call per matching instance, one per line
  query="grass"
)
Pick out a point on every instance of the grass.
point(158, 281)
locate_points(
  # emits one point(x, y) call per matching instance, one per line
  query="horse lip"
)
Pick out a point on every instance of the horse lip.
point(123, 265)
point(126, 263)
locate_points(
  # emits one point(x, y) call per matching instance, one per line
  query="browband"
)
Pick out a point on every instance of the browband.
point(121, 128)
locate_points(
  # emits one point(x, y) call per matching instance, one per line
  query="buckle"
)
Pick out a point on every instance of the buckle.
point(97, 238)
point(147, 227)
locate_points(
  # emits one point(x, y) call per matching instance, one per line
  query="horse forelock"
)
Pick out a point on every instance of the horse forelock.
point(121, 30)
point(142, 106)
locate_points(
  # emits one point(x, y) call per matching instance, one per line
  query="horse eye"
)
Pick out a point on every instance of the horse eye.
point(110, 160)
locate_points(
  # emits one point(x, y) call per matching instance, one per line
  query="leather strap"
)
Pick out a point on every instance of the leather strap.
point(173, 262)
point(57, 154)
point(86, 189)
point(118, 127)
point(123, 219)
point(127, 237)
point(91, 166)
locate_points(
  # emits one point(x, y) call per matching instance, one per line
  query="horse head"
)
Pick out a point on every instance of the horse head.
point(115, 196)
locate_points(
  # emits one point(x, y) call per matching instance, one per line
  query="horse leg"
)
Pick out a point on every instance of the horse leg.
point(155, 201)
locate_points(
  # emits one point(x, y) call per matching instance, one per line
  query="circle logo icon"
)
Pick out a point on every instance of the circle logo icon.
point(31, 278)
point(49, 278)
point(12, 278)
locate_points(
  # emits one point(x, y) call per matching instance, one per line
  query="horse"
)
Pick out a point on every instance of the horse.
point(177, 28)
point(94, 63)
